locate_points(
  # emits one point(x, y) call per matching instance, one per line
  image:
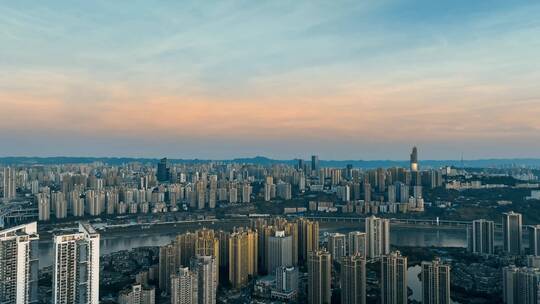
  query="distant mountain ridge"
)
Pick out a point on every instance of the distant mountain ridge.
point(261, 160)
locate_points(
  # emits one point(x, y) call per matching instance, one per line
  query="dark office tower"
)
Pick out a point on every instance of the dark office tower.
point(534, 240)
point(315, 163)
point(319, 277)
point(348, 171)
point(353, 279)
point(162, 170)
point(480, 237)
point(435, 282)
point(301, 164)
point(414, 160)
point(394, 279)
point(512, 233)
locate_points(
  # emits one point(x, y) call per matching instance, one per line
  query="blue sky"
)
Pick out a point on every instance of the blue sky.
point(280, 78)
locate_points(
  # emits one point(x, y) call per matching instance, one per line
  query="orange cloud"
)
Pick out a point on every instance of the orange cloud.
point(424, 111)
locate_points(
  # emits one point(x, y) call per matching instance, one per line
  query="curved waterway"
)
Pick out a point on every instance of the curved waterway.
point(399, 236)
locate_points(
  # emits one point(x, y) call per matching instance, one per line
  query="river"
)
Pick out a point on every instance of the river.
point(400, 236)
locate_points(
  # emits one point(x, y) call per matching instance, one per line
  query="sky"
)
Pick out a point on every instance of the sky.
point(284, 79)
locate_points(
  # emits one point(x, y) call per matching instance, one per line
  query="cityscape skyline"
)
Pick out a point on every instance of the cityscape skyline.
point(244, 232)
point(219, 81)
point(270, 152)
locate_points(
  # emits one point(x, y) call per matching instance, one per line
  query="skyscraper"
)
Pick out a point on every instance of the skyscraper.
point(394, 279)
point(162, 174)
point(414, 160)
point(242, 257)
point(480, 237)
point(184, 287)
point(308, 237)
point(319, 277)
point(19, 264)
point(353, 279)
point(357, 243)
point(76, 267)
point(279, 251)
point(205, 268)
point(512, 233)
point(378, 236)
point(315, 163)
point(337, 246)
point(435, 282)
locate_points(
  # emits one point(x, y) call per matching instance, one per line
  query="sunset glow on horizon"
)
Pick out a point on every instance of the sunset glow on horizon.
point(354, 80)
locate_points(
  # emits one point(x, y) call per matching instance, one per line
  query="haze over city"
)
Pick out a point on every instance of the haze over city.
point(345, 80)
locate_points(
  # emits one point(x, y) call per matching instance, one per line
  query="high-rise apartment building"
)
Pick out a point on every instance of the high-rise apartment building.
point(480, 237)
point(353, 279)
point(207, 244)
point(520, 285)
point(319, 277)
point(138, 294)
point(279, 251)
point(19, 264)
point(58, 200)
point(44, 206)
point(337, 246)
point(269, 229)
point(167, 266)
point(206, 270)
point(534, 240)
point(9, 183)
point(512, 233)
point(378, 236)
point(242, 257)
point(394, 279)
point(435, 282)
point(184, 287)
point(76, 267)
point(308, 238)
point(186, 245)
point(287, 281)
point(357, 243)
point(269, 183)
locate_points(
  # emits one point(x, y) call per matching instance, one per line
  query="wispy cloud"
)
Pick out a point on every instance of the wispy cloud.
point(278, 75)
